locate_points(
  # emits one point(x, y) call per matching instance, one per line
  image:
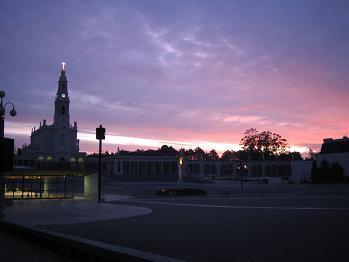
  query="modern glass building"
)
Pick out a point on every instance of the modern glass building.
point(42, 184)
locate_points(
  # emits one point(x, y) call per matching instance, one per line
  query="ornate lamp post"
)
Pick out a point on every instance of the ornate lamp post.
point(2, 126)
point(2, 112)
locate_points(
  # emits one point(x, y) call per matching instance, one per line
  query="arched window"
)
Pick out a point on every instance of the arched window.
point(63, 110)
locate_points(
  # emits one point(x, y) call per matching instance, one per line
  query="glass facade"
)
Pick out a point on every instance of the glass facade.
point(42, 187)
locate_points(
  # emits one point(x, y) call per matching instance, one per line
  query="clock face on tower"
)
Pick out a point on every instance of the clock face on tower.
point(63, 95)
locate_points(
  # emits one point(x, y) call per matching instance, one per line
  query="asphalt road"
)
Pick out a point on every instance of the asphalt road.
point(231, 229)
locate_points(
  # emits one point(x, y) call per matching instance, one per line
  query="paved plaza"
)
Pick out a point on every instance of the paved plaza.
point(45, 212)
point(311, 225)
point(299, 224)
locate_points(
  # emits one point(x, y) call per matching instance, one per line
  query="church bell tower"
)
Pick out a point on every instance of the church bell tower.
point(61, 117)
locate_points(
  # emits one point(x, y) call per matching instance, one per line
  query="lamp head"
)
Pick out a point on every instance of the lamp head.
point(13, 112)
point(2, 93)
point(181, 161)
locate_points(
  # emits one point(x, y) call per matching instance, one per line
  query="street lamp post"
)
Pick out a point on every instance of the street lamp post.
point(241, 177)
point(3, 111)
point(180, 168)
point(4, 166)
point(100, 135)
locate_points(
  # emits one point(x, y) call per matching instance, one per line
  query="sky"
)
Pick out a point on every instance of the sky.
point(181, 73)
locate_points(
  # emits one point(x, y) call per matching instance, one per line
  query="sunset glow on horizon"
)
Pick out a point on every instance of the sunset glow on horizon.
point(114, 141)
point(181, 73)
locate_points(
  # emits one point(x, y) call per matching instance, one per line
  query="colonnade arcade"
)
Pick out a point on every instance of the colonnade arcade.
point(145, 166)
point(168, 165)
point(233, 169)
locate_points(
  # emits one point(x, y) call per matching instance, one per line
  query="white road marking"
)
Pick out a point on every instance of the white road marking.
point(239, 207)
point(242, 198)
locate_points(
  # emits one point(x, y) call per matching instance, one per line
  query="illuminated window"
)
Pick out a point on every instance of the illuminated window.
point(41, 158)
point(49, 158)
point(81, 160)
point(72, 159)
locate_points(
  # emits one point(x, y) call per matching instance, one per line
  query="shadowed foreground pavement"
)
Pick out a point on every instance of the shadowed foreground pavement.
point(13, 249)
point(240, 229)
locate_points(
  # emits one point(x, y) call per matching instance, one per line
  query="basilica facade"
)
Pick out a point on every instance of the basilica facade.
point(56, 143)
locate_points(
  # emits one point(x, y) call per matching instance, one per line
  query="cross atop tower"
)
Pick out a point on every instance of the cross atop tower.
point(63, 64)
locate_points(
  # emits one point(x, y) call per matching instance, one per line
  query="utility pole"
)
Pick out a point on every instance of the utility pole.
point(100, 135)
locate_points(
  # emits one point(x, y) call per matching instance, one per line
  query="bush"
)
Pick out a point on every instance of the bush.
point(327, 173)
point(181, 192)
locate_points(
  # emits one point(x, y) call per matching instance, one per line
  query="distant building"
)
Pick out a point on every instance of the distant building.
point(335, 151)
point(166, 166)
point(56, 143)
point(150, 166)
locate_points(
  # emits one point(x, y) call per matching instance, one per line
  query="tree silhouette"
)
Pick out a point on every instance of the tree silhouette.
point(265, 144)
point(200, 154)
point(337, 172)
point(250, 141)
point(311, 154)
point(314, 172)
point(212, 155)
point(327, 173)
point(271, 143)
point(228, 155)
point(290, 156)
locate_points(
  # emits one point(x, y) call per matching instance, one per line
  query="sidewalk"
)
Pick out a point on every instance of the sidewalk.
point(48, 212)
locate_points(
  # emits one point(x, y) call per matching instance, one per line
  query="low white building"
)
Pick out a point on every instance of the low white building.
point(138, 166)
point(301, 171)
point(335, 151)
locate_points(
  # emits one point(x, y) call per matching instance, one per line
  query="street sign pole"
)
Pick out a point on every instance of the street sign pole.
point(100, 135)
point(100, 171)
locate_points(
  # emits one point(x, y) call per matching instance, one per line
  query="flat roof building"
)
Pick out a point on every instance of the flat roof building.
point(335, 151)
